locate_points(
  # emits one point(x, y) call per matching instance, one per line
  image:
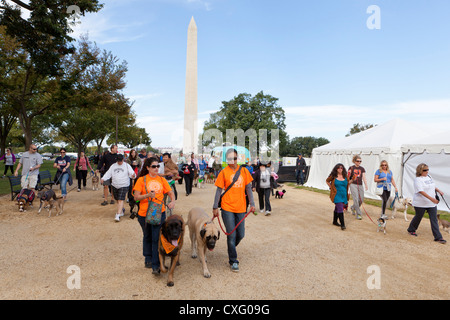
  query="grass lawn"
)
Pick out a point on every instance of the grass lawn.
point(47, 165)
point(376, 203)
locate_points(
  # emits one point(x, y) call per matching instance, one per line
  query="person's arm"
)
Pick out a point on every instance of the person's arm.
point(394, 184)
point(171, 205)
point(432, 199)
point(248, 189)
point(139, 197)
point(107, 175)
point(16, 173)
point(216, 201)
point(365, 181)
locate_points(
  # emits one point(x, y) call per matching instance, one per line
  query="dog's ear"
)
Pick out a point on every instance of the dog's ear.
point(202, 233)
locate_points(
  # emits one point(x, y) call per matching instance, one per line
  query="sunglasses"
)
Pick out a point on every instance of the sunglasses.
point(358, 161)
point(155, 166)
point(425, 170)
point(231, 159)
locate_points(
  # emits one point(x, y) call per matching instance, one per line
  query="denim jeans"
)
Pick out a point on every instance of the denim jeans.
point(63, 183)
point(230, 220)
point(432, 212)
point(150, 240)
point(300, 176)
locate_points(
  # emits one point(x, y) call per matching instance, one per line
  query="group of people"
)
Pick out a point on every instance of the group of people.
point(148, 180)
point(425, 199)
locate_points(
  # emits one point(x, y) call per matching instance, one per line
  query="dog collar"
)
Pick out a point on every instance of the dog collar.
point(169, 247)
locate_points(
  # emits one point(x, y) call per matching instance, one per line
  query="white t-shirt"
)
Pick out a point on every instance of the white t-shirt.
point(120, 175)
point(427, 185)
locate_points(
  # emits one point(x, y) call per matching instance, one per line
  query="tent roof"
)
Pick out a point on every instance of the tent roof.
point(387, 138)
point(431, 144)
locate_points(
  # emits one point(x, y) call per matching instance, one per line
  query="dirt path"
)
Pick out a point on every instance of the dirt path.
point(294, 254)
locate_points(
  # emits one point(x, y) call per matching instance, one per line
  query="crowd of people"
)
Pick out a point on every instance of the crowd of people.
point(425, 199)
point(148, 181)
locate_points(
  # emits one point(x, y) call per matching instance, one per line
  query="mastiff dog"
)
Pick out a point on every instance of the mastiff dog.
point(203, 234)
point(170, 244)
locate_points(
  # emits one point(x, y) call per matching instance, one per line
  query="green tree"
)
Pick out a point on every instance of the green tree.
point(246, 112)
point(45, 35)
point(357, 127)
point(304, 145)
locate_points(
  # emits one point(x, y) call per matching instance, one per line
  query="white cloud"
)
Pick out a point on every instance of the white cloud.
point(334, 121)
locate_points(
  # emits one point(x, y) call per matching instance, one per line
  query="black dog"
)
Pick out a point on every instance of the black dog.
point(280, 194)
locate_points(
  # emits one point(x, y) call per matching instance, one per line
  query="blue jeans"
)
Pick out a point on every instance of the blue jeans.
point(150, 240)
point(63, 183)
point(230, 220)
point(300, 176)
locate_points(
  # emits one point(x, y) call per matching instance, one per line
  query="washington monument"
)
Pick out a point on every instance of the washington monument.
point(190, 137)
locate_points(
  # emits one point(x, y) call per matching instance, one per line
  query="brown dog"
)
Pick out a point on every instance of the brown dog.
point(95, 181)
point(170, 244)
point(58, 204)
point(203, 234)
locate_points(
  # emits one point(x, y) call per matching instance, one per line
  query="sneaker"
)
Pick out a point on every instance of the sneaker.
point(235, 267)
point(359, 217)
point(79, 190)
point(104, 203)
point(261, 211)
point(117, 218)
point(413, 233)
point(442, 241)
point(112, 202)
point(268, 213)
point(156, 271)
point(122, 213)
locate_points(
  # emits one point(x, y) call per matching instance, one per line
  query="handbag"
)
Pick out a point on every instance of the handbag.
point(236, 177)
point(154, 210)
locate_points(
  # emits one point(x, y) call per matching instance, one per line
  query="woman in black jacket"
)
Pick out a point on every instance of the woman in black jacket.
point(188, 174)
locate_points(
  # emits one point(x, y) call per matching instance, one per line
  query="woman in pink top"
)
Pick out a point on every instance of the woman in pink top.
point(81, 169)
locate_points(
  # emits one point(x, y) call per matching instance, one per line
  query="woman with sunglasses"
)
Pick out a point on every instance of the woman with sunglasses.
point(356, 176)
point(150, 186)
point(63, 175)
point(384, 178)
point(425, 200)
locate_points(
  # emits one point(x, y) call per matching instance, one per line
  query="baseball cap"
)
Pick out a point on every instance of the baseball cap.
point(120, 157)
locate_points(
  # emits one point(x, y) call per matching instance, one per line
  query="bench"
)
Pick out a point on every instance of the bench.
point(45, 180)
point(15, 185)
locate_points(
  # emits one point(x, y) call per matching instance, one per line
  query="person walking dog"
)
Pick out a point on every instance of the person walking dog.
point(237, 182)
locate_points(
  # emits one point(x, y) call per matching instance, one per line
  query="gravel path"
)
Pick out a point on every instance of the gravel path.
point(296, 253)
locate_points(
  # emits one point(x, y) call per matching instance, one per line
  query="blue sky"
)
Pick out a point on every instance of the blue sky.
point(318, 57)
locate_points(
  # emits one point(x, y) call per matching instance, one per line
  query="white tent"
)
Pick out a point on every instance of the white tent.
point(435, 152)
point(382, 142)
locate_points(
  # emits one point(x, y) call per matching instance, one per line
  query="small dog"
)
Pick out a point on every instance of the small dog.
point(444, 223)
point(95, 182)
point(25, 199)
point(210, 177)
point(400, 204)
point(280, 194)
point(381, 225)
point(44, 197)
point(201, 182)
point(57, 203)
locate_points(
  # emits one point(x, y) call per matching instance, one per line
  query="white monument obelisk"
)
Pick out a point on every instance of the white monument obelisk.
point(190, 139)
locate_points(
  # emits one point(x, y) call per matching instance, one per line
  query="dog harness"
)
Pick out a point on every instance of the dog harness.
point(169, 247)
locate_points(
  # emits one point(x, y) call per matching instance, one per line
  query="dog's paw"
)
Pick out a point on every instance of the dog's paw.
point(170, 284)
point(206, 274)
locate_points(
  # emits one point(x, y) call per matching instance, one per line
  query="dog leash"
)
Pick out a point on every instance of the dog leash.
point(230, 233)
point(364, 208)
point(393, 201)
